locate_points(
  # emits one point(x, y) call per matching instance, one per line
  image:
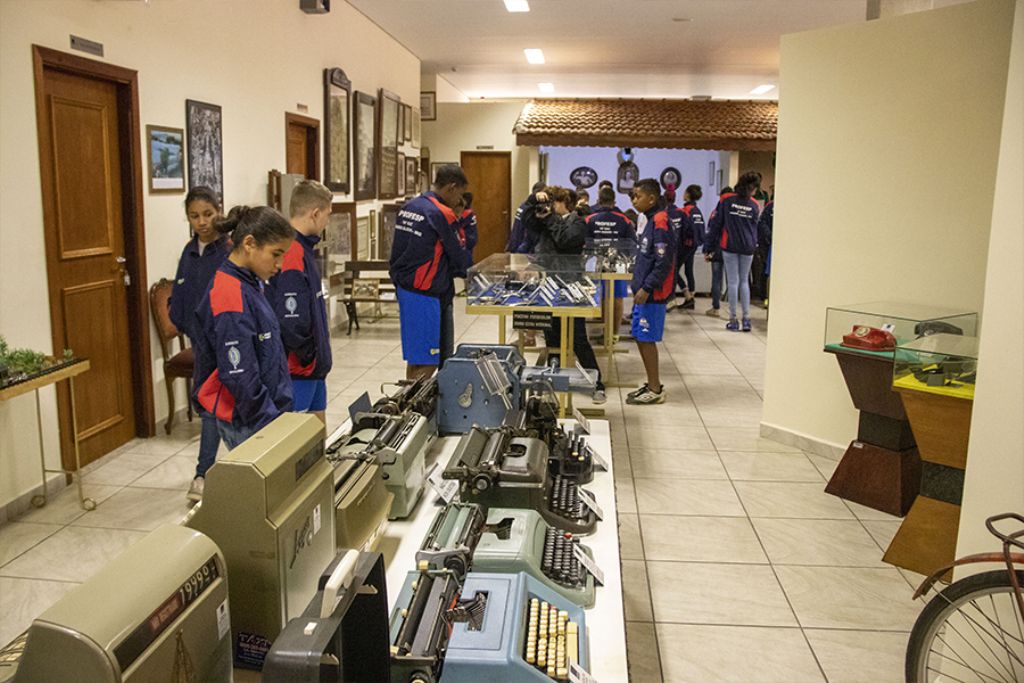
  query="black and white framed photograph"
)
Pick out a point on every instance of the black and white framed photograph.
point(337, 130)
point(670, 177)
point(711, 173)
point(363, 238)
point(435, 165)
point(428, 105)
point(205, 146)
point(388, 221)
point(583, 177)
point(417, 128)
point(400, 173)
point(365, 153)
point(166, 159)
point(389, 108)
point(340, 242)
point(411, 176)
point(406, 123)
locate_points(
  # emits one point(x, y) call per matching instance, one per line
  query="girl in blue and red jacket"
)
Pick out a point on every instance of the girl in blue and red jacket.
point(241, 360)
point(690, 237)
point(202, 256)
point(733, 229)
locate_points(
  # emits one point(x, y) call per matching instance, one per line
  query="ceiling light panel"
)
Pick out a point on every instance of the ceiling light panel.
point(762, 89)
point(534, 55)
point(546, 87)
point(517, 5)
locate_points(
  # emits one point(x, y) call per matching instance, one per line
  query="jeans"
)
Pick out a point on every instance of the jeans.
point(717, 271)
point(209, 442)
point(737, 274)
point(580, 344)
point(234, 436)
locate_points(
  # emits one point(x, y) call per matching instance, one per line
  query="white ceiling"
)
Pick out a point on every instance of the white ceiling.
point(615, 48)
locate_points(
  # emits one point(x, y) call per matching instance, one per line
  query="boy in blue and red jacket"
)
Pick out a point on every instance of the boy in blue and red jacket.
point(426, 256)
point(653, 280)
point(608, 223)
point(297, 296)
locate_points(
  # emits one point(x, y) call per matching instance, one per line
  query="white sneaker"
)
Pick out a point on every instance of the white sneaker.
point(636, 392)
point(195, 491)
point(713, 312)
point(647, 397)
point(599, 397)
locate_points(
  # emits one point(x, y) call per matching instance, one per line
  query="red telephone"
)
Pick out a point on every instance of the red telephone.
point(869, 339)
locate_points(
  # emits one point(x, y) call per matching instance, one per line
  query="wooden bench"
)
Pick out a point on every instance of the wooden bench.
point(365, 282)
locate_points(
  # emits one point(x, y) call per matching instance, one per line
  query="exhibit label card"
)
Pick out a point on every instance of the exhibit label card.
point(578, 675)
point(588, 499)
point(448, 489)
point(588, 563)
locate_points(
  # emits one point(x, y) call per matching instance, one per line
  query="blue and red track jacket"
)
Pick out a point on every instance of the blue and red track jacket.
point(426, 254)
point(195, 271)
point(608, 223)
point(693, 229)
point(519, 240)
point(655, 269)
point(468, 236)
point(733, 225)
point(297, 296)
point(242, 372)
point(676, 219)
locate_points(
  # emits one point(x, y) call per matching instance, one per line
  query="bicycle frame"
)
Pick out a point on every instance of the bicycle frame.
point(1006, 557)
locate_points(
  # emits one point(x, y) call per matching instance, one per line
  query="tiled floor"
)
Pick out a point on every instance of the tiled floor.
point(737, 566)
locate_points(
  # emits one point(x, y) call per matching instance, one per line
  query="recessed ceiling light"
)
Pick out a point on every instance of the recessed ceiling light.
point(534, 55)
point(517, 5)
point(546, 87)
point(762, 89)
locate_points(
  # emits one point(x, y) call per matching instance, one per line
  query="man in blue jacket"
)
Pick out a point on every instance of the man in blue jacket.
point(653, 280)
point(519, 241)
point(297, 296)
point(426, 256)
point(610, 224)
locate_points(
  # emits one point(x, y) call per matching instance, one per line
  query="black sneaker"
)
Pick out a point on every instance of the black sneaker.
point(689, 305)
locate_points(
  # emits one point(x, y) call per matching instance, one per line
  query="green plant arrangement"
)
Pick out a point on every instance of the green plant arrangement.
point(17, 365)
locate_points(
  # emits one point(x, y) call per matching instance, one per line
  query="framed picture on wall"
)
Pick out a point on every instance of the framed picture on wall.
point(373, 235)
point(721, 181)
point(428, 105)
point(400, 173)
point(205, 146)
point(434, 166)
point(364, 153)
point(411, 176)
point(340, 242)
point(362, 241)
point(166, 159)
point(337, 105)
point(388, 220)
point(389, 114)
point(407, 123)
point(417, 128)
point(711, 173)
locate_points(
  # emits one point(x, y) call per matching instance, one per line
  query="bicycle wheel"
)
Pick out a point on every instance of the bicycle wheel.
point(971, 632)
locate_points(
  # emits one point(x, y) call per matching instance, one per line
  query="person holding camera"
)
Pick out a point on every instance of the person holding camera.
point(552, 223)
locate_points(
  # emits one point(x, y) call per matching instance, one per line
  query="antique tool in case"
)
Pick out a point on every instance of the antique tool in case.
point(399, 444)
point(498, 469)
point(342, 636)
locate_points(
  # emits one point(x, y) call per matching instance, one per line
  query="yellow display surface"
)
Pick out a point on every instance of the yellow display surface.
point(557, 311)
point(960, 390)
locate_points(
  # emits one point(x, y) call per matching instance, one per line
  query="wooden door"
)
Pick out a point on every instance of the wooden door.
point(80, 159)
point(302, 146)
point(490, 181)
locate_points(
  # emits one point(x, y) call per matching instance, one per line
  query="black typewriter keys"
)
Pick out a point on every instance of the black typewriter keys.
point(558, 561)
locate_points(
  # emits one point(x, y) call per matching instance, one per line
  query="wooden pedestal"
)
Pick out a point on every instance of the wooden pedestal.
point(881, 468)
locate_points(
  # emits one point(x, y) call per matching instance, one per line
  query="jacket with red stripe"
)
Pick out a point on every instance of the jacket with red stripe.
point(242, 372)
point(693, 229)
point(733, 225)
point(426, 254)
point(676, 219)
point(608, 223)
point(468, 236)
point(297, 296)
point(654, 269)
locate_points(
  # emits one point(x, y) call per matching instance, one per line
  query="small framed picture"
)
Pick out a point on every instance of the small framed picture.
point(407, 122)
point(400, 173)
point(428, 105)
point(166, 159)
point(434, 166)
point(711, 173)
point(411, 175)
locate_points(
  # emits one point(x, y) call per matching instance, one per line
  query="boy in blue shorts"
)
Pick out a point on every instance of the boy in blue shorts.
point(297, 296)
point(426, 256)
point(653, 280)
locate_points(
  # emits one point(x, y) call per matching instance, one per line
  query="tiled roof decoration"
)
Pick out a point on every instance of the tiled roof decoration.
point(724, 124)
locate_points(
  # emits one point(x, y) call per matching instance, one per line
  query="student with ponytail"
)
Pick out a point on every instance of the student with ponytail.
point(733, 229)
point(241, 362)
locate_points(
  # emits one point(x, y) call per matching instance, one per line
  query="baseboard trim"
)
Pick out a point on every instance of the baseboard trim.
point(804, 442)
point(23, 503)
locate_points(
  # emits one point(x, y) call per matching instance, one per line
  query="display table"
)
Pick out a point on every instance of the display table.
point(611, 324)
point(65, 372)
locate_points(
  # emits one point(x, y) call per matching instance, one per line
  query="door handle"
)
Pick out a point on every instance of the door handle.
point(120, 259)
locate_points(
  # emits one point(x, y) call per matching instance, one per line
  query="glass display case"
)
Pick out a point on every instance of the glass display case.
point(942, 363)
point(610, 255)
point(877, 328)
point(533, 281)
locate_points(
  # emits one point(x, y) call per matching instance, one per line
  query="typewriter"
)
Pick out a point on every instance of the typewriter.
point(500, 627)
point(495, 468)
point(399, 444)
point(411, 396)
point(452, 538)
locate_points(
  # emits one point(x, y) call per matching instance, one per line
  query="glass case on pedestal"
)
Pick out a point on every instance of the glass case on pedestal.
point(877, 328)
point(610, 255)
point(533, 280)
point(943, 363)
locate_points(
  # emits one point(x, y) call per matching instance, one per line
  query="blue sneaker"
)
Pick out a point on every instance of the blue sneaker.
point(733, 325)
point(746, 324)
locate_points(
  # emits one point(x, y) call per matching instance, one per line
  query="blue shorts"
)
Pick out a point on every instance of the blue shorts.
point(621, 289)
point(310, 395)
point(419, 317)
point(648, 322)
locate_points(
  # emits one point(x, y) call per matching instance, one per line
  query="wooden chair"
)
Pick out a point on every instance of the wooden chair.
point(175, 365)
point(366, 282)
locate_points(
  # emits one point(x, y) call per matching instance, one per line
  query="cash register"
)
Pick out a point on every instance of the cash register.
point(156, 612)
point(495, 468)
point(492, 627)
point(269, 505)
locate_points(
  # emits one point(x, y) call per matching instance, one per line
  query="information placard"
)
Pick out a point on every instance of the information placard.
point(531, 320)
point(588, 499)
point(447, 489)
point(588, 563)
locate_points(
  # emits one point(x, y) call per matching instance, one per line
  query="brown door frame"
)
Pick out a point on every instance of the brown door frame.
point(312, 141)
point(127, 83)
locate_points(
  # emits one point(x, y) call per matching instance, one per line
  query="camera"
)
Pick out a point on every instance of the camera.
point(542, 210)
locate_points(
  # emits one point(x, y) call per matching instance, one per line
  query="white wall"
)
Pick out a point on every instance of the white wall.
point(995, 461)
point(465, 126)
point(889, 133)
point(255, 58)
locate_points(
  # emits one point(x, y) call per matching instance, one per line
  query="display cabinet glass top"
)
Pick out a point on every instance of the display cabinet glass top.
point(877, 328)
point(610, 256)
point(533, 281)
point(944, 364)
